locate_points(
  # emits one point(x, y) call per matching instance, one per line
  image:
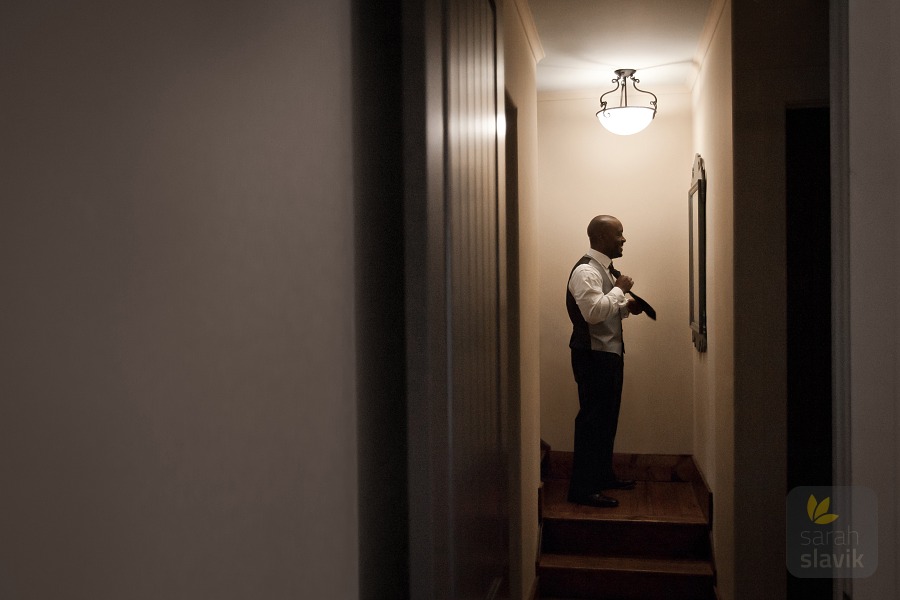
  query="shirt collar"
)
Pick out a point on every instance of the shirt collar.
point(601, 258)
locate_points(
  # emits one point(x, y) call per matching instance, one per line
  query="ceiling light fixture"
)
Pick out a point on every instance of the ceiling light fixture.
point(625, 119)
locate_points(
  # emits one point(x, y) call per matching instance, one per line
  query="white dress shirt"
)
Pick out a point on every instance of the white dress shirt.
point(601, 303)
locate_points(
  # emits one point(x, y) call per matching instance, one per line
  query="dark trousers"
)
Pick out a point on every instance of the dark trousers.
point(599, 379)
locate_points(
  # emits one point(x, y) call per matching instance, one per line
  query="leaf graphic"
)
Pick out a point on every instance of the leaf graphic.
point(818, 511)
point(822, 509)
point(825, 519)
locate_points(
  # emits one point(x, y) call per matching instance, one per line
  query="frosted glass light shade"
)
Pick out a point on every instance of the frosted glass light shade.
point(626, 120)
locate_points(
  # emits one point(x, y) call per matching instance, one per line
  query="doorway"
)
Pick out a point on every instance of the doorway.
point(808, 297)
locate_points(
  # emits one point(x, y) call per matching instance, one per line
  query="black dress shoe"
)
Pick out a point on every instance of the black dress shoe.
point(619, 484)
point(597, 500)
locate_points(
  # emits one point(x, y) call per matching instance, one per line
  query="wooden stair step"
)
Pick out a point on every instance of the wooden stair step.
point(624, 578)
point(635, 564)
point(654, 519)
point(654, 545)
point(632, 538)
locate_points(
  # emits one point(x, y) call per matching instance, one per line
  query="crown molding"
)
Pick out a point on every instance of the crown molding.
point(527, 19)
point(713, 17)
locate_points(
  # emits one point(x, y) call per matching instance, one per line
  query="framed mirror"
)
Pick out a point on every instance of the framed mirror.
point(697, 233)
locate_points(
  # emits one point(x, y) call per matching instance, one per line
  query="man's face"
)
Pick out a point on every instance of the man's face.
point(613, 240)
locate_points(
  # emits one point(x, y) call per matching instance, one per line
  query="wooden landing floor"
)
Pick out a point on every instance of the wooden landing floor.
point(668, 501)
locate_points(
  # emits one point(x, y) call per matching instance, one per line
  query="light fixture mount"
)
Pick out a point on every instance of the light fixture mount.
point(626, 119)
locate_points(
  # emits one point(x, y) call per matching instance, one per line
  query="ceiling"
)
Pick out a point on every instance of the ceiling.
point(585, 41)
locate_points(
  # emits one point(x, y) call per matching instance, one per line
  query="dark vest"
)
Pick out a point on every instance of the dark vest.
point(581, 334)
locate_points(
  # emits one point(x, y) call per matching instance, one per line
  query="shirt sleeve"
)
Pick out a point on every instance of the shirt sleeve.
point(595, 306)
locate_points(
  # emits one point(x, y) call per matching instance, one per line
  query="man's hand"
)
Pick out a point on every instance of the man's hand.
point(635, 307)
point(624, 283)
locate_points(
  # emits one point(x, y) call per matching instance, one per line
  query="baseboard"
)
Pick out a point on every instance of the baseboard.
point(643, 467)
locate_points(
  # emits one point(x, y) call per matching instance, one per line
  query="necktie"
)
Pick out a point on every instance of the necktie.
point(651, 312)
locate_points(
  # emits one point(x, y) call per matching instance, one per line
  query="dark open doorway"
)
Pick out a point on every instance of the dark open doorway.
point(808, 298)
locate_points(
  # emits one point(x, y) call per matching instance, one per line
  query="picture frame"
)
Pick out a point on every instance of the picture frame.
point(697, 243)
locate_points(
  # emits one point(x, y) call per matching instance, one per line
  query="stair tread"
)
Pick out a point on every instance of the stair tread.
point(655, 501)
point(669, 566)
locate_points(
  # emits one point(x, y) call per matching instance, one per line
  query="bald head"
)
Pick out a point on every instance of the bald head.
point(605, 234)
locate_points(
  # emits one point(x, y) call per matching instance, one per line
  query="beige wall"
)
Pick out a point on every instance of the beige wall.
point(522, 50)
point(750, 564)
point(713, 371)
point(771, 73)
point(643, 180)
point(177, 415)
point(872, 257)
point(578, 162)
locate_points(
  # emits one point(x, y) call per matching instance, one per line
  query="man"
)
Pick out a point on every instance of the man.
point(596, 302)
